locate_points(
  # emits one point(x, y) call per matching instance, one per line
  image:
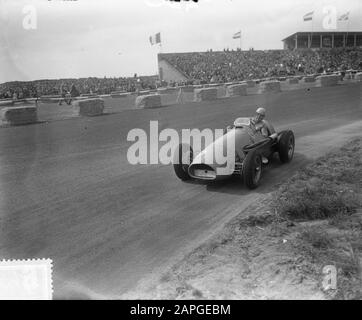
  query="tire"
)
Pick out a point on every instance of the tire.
point(286, 146)
point(252, 169)
point(180, 168)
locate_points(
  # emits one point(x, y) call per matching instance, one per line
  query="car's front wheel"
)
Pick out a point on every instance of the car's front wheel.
point(286, 146)
point(252, 169)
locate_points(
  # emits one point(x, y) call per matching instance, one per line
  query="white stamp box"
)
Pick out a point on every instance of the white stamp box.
point(26, 279)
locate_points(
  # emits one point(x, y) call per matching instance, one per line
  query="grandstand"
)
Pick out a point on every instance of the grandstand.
point(227, 66)
point(303, 55)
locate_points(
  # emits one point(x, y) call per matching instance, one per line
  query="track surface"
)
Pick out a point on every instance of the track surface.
point(68, 193)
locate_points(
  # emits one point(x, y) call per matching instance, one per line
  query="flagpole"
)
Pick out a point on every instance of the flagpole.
point(310, 17)
point(347, 29)
point(160, 42)
point(311, 38)
point(240, 39)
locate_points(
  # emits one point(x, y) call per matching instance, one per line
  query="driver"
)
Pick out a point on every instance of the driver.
point(261, 125)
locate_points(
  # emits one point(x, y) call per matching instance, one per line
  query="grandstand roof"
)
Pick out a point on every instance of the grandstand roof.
point(323, 39)
point(323, 33)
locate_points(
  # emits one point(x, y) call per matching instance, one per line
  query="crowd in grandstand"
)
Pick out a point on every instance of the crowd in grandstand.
point(210, 66)
point(238, 65)
point(33, 89)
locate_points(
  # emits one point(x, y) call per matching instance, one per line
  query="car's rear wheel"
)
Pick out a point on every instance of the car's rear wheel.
point(252, 169)
point(286, 146)
point(183, 157)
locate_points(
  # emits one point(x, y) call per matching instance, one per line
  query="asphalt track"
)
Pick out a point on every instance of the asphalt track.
point(68, 193)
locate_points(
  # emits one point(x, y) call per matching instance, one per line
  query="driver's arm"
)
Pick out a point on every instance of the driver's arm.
point(267, 129)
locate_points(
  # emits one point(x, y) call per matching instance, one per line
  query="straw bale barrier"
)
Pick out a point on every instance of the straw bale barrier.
point(293, 81)
point(270, 86)
point(329, 80)
point(309, 79)
point(19, 115)
point(358, 76)
point(148, 101)
point(237, 90)
point(205, 94)
point(5, 103)
point(89, 107)
point(250, 83)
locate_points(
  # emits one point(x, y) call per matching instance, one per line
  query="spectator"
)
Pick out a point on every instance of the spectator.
point(74, 91)
point(204, 67)
point(238, 65)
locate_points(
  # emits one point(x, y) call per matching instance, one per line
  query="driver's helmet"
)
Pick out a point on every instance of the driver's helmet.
point(261, 111)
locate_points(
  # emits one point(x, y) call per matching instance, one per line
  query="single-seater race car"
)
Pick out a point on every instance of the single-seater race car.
point(252, 151)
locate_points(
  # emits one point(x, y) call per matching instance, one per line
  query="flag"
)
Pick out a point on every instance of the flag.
point(237, 35)
point(308, 16)
point(155, 39)
point(344, 17)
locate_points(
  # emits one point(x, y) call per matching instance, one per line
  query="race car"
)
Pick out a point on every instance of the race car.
point(252, 152)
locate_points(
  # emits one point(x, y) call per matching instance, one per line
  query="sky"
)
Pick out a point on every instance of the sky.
point(51, 39)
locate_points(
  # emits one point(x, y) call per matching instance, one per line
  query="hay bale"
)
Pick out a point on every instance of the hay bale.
point(25, 102)
point(237, 90)
point(5, 103)
point(270, 86)
point(309, 79)
point(349, 76)
point(358, 76)
point(293, 81)
point(250, 83)
point(205, 94)
point(89, 107)
point(19, 115)
point(148, 101)
point(329, 80)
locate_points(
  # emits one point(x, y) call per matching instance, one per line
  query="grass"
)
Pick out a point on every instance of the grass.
point(317, 238)
point(329, 187)
point(329, 190)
